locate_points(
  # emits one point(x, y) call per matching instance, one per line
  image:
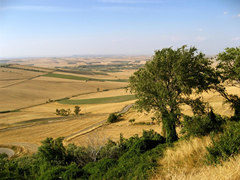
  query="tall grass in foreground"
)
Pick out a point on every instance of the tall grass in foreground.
point(183, 158)
point(186, 162)
point(229, 170)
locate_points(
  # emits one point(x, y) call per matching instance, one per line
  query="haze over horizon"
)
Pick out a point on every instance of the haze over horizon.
point(50, 28)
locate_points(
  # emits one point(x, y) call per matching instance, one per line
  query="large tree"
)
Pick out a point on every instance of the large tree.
point(229, 70)
point(167, 81)
point(229, 64)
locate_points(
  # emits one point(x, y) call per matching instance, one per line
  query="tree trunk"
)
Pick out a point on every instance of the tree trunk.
point(169, 126)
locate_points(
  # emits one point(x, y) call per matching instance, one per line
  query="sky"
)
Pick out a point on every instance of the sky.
point(50, 28)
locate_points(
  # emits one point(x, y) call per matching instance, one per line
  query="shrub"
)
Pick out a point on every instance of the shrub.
point(140, 123)
point(77, 110)
point(137, 158)
point(228, 144)
point(131, 120)
point(52, 151)
point(3, 155)
point(63, 112)
point(112, 118)
point(197, 126)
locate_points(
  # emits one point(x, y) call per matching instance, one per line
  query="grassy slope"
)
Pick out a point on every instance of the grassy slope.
point(186, 161)
point(83, 78)
point(114, 99)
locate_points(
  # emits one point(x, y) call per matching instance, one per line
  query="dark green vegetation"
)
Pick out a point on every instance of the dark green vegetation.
point(229, 71)
point(225, 145)
point(67, 112)
point(102, 69)
point(8, 111)
point(77, 110)
point(133, 158)
point(167, 81)
point(75, 70)
point(113, 118)
point(64, 76)
point(25, 69)
point(197, 126)
point(63, 112)
point(114, 99)
point(131, 120)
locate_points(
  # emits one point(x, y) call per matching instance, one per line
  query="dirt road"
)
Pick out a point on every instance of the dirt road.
point(7, 151)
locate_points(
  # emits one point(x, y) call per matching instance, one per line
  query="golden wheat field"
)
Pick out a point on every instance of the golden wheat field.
point(24, 87)
point(28, 97)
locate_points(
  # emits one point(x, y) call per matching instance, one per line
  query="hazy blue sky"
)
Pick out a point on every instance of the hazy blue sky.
point(69, 27)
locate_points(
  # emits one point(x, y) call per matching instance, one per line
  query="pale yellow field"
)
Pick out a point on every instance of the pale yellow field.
point(28, 89)
point(94, 114)
point(76, 61)
point(41, 89)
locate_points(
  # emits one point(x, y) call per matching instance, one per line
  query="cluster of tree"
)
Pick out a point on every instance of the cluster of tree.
point(132, 158)
point(67, 112)
point(167, 81)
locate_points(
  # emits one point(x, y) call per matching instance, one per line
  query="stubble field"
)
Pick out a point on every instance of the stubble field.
point(30, 97)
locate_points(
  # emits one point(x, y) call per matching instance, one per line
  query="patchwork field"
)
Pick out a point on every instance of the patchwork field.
point(30, 95)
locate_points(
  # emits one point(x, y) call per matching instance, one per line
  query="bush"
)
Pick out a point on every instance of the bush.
point(228, 144)
point(63, 112)
point(112, 118)
point(137, 157)
point(3, 155)
point(131, 120)
point(52, 151)
point(197, 126)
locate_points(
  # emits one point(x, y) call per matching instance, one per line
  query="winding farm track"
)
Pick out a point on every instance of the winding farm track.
point(7, 151)
point(33, 147)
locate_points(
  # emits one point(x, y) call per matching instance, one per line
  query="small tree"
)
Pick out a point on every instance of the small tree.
point(68, 112)
point(57, 112)
point(131, 120)
point(77, 110)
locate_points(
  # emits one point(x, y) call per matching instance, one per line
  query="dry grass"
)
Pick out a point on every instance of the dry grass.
point(39, 90)
point(186, 162)
point(185, 157)
point(228, 171)
point(62, 128)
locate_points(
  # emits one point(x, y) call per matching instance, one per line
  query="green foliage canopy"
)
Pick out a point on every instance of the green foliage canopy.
point(229, 70)
point(229, 64)
point(167, 81)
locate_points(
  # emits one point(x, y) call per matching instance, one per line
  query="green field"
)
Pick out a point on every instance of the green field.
point(105, 100)
point(82, 78)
